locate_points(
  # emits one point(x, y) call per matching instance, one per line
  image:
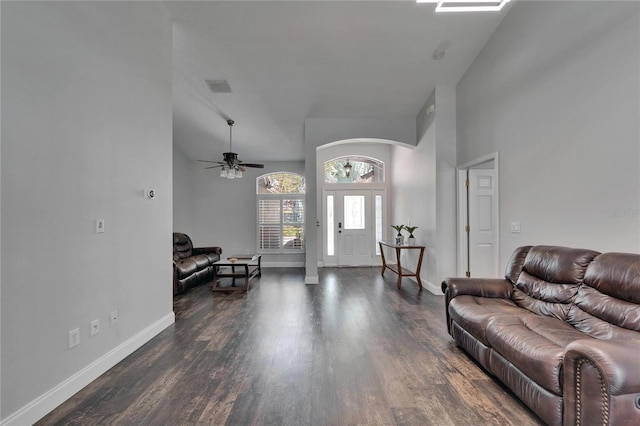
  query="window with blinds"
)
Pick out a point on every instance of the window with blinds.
point(280, 212)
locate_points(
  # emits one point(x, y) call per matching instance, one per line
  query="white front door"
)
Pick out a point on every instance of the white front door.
point(354, 220)
point(482, 223)
point(354, 228)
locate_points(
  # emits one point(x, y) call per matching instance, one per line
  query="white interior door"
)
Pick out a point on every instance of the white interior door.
point(482, 223)
point(354, 228)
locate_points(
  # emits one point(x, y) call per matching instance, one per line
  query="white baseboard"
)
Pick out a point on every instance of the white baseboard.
point(45, 403)
point(276, 264)
point(434, 289)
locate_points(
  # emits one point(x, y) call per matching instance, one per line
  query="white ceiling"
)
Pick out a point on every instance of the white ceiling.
point(290, 60)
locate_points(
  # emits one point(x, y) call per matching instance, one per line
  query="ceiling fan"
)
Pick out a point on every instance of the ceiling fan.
point(231, 166)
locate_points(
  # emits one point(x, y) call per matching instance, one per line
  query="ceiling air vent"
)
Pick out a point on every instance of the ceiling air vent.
point(218, 86)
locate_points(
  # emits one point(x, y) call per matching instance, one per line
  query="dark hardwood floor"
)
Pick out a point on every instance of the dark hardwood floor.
point(353, 350)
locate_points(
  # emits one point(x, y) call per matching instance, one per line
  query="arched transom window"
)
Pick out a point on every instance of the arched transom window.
point(280, 199)
point(353, 169)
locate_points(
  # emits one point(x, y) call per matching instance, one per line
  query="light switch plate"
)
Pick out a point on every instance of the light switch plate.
point(99, 226)
point(515, 227)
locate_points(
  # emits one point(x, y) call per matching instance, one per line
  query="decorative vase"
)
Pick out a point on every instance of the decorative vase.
point(399, 240)
point(411, 241)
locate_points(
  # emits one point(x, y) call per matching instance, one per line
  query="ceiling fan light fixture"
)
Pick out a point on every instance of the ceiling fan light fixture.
point(231, 167)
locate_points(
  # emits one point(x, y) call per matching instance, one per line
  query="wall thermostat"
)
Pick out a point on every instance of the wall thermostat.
point(150, 193)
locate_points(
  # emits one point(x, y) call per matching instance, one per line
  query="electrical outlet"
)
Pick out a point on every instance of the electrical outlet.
point(74, 337)
point(95, 327)
point(114, 318)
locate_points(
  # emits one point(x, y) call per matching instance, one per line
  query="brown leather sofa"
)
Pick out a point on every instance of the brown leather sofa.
point(191, 266)
point(561, 330)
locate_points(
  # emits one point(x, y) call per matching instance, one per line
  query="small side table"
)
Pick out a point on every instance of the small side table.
point(397, 268)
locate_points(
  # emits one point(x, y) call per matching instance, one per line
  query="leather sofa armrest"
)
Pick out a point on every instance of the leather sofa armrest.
point(601, 381)
point(205, 250)
point(482, 287)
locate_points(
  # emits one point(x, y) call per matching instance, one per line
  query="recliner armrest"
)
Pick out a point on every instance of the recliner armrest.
point(482, 287)
point(602, 379)
point(497, 288)
point(205, 250)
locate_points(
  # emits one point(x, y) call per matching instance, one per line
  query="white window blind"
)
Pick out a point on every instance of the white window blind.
point(280, 213)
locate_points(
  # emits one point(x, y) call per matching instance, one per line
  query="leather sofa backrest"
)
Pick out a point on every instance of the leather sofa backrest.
point(182, 246)
point(608, 303)
point(550, 279)
point(516, 263)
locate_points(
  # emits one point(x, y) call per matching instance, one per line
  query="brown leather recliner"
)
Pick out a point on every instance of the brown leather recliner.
point(191, 266)
point(561, 330)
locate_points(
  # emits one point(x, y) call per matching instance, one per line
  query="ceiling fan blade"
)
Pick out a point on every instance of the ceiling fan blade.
point(257, 166)
point(214, 167)
point(207, 161)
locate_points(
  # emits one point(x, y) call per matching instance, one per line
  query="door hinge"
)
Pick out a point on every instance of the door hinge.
point(466, 183)
point(467, 228)
point(468, 274)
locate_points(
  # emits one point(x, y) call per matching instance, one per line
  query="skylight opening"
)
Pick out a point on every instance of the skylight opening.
point(467, 5)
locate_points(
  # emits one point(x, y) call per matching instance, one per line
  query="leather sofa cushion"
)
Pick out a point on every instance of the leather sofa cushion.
point(550, 279)
point(617, 275)
point(606, 306)
point(594, 326)
point(516, 263)
point(535, 345)
point(212, 257)
point(185, 268)
point(201, 260)
point(473, 313)
point(558, 264)
point(543, 297)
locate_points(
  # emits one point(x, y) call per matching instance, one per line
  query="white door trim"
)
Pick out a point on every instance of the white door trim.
point(461, 176)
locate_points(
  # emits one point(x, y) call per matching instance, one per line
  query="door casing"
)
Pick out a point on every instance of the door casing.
point(464, 250)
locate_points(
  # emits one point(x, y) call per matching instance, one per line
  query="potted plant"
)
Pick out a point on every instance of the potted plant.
point(399, 237)
point(410, 229)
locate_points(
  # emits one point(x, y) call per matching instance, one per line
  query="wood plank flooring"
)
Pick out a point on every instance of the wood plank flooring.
point(353, 350)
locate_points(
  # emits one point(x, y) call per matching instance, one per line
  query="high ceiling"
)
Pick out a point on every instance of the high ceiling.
point(290, 60)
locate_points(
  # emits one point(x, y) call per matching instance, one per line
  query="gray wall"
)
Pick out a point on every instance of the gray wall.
point(413, 195)
point(424, 188)
point(183, 189)
point(555, 92)
point(86, 126)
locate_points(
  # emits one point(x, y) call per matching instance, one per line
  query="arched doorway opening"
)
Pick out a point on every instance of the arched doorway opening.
point(352, 202)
